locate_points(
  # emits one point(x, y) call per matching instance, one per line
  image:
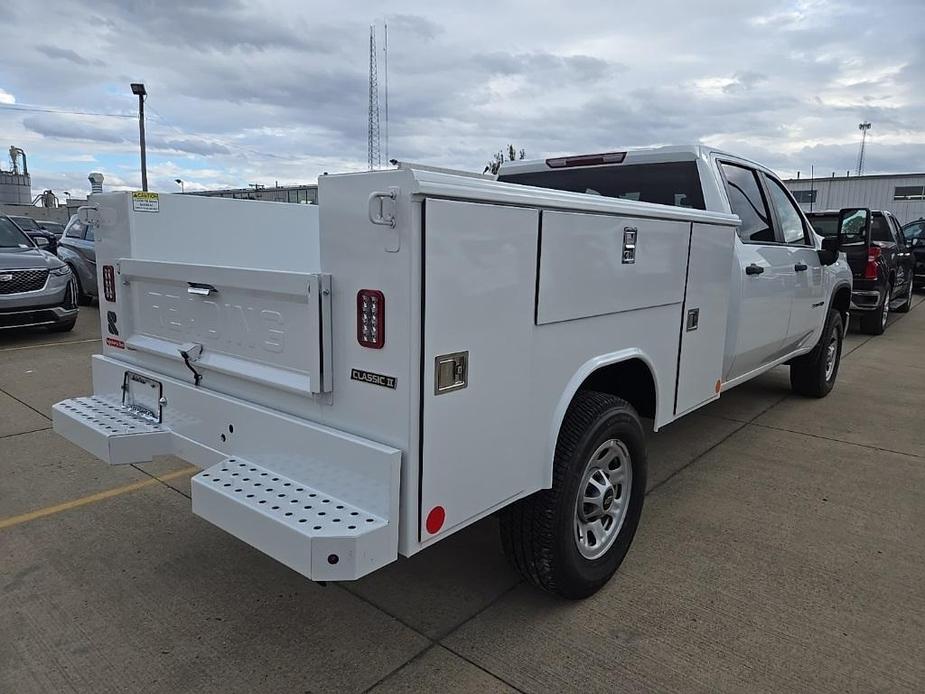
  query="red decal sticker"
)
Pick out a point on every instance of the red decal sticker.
point(113, 342)
point(435, 519)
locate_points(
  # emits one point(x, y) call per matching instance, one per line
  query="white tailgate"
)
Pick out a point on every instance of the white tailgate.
point(582, 268)
point(266, 326)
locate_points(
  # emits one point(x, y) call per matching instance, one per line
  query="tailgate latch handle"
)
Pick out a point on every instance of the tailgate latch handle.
point(200, 289)
point(191, 351)
point(382, 210)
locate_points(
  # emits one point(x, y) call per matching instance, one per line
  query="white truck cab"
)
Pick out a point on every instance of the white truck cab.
point(425, 348)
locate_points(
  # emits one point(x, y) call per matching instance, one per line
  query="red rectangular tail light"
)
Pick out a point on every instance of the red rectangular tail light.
point(870, 270)
point(109, 283)
point(371, 318)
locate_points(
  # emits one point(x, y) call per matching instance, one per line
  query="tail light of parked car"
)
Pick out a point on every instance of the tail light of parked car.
point(870, 270)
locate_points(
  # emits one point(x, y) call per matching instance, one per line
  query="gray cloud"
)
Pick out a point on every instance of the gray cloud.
point(245, 90)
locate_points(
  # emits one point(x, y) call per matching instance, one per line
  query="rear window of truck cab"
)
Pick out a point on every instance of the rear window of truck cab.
point(826, 225)
point(669, 183)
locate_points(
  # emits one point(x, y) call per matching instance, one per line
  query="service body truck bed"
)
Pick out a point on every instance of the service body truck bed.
point(361, 379)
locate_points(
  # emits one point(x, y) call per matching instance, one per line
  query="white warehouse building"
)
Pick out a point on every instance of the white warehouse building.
point(901, 194)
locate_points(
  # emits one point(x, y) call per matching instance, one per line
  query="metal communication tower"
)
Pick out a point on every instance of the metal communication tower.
point(374, 154)
point(863, 127)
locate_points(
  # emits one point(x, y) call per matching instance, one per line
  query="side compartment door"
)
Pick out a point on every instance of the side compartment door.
point(763, 272)
point(478, 311)
point(807, 313)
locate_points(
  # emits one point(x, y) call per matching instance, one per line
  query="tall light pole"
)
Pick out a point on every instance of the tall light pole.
point(863, 127)
point(138, 89)
point(179, 182)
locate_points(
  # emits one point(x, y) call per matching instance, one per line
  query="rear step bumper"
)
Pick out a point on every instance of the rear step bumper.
point(319, 500)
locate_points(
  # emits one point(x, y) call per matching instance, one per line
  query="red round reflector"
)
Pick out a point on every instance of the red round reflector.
point(435, 519)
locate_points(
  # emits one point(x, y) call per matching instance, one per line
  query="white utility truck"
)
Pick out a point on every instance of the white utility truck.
point(363, 378)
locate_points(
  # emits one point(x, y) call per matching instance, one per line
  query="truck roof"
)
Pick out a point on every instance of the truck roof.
point(638, 155)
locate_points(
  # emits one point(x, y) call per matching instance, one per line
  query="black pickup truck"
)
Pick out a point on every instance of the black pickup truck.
point(881, 263)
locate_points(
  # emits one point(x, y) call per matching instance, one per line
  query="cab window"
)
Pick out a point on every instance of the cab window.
point(747, 201)
point(789, 218)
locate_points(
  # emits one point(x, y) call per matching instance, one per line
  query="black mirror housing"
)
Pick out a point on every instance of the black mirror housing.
point(853, 222)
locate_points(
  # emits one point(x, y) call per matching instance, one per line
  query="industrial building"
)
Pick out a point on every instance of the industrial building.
point(902, 194)
point(304, 194)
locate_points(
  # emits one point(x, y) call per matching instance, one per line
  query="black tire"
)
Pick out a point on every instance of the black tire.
point(809, 374)
point(63, 327)
point(874, 322)
point(539, 533)
point(82, 299)
point(907, 304)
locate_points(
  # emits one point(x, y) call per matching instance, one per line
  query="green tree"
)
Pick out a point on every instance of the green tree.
point(501, 156)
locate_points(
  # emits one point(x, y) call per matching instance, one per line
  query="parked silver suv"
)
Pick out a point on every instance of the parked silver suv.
point(76, 248)
point(36, 288)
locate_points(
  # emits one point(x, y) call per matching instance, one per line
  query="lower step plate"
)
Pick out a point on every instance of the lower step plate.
point(315, 533)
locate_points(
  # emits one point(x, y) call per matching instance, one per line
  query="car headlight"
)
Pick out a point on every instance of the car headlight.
point(62, 271)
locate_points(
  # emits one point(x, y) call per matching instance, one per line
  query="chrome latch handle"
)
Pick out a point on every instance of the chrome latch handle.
point(377, 213)
point(200, 289)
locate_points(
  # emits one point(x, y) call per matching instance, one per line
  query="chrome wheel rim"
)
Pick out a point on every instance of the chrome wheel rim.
point(603, 498)
point(831, 352)
point(886, 309)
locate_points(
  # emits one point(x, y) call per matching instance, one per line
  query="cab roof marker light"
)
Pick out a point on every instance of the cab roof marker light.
point(587, 160)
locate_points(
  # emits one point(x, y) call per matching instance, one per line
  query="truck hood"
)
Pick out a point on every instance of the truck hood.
point(17, 258)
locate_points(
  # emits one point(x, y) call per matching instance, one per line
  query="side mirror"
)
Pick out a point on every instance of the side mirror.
point(828, 254)
point(853, 225)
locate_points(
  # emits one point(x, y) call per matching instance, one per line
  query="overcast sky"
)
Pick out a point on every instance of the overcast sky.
point(259, 91)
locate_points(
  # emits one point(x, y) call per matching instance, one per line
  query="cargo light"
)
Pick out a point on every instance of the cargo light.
point(371, 318)
point(587, 160)
point(109, 283)
point(870, 270)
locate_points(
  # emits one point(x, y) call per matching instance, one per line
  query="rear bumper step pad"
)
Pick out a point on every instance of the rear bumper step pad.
point(314, 533)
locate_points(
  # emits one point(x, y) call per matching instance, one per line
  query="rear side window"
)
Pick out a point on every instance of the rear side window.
point(880, 229)
point(669, 183)
point(747, 201)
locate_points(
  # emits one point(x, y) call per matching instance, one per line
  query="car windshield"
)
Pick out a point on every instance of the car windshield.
point(11, 236)
point(914, 231)
point(26, 223)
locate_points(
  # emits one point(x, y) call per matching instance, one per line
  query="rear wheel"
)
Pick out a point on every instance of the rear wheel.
point(874, 322)
point(571, 538)
point(814, 373)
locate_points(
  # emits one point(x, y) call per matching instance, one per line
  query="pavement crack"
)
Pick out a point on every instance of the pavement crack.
point(163, 482)
point(25, 404)
point(829, 438)
point(23, 433)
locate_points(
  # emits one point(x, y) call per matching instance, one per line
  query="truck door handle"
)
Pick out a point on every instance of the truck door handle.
point(753, 269)
point(799, 267)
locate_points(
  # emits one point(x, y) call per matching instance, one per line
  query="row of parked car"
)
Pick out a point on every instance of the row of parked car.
point(887, 261)
point(46, 270)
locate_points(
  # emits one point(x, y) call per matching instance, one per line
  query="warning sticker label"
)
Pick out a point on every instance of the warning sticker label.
point(143, 201)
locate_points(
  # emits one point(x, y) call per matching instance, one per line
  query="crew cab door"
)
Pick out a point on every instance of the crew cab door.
point(807, 310)
point(764, 277)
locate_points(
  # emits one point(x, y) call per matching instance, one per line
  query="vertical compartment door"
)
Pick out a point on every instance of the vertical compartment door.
point(479, 293)
point(703, 319)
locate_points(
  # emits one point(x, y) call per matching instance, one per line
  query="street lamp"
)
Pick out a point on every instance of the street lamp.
point(138, 89)
point(179, 182)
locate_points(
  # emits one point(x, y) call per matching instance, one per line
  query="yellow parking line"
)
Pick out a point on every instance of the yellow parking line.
point(93, 498)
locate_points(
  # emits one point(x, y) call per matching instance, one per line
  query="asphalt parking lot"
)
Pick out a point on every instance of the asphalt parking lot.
point(782, 548)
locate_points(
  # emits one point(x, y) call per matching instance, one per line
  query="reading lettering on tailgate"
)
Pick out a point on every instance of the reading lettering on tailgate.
point(232, 324)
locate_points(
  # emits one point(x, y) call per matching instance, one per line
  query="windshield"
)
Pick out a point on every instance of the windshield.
point(11, 236)
point(914, 231)
point(669, 183)
point(26, 223)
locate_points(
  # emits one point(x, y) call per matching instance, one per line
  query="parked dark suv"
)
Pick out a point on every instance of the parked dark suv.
point(36, 288)
point(881, 263)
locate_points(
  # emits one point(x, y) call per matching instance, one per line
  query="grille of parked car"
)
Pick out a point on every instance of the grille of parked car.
point(16, 281)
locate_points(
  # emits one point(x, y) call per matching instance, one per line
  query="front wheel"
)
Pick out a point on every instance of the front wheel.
point(814, 373)
point(571, 538)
